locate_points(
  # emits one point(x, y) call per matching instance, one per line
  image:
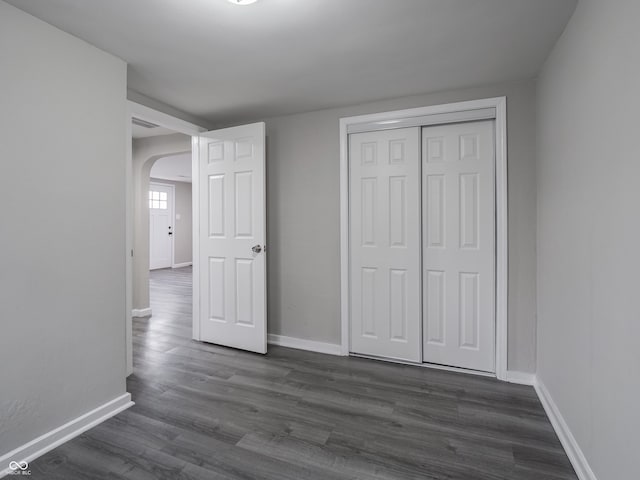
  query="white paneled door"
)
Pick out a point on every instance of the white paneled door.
point(458, 192)
point(160, 226)
point(385, 243)
point(232, 259)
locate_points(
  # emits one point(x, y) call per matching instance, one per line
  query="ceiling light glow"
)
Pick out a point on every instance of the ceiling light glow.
point(242, 2)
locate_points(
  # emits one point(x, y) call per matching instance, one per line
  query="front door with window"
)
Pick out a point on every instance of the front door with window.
point(160, 226)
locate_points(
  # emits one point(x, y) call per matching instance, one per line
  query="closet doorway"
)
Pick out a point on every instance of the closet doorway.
point(424, 236)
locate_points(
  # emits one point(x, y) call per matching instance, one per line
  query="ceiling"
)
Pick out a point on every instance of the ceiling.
point(173, 167)
point(226, 63)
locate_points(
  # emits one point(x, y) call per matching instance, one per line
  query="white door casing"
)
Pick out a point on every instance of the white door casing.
point(458, 191)
point(488, 108)
point(385, 243)
point(232, 214)
point(161, 225)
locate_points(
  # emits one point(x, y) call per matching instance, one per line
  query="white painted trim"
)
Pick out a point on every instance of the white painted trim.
point(521, 378)
point(50, 440)
point(502, 239)
point(162, 119)
point(302, 344)
point(128, 244)
point(141, 312)
point(425, 120)
point(568, 441)
point(182, 265)
point(195, 212)
point(345, 293)
point(502, 272)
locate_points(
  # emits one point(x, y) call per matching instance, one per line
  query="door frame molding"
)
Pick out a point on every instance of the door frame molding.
point(398, 118)
point(173, 220)
point(164, 120)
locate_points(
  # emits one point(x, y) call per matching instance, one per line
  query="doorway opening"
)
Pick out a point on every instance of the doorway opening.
point(228, 276)
point(159, 229)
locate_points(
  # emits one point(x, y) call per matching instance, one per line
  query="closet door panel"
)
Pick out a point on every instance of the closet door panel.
point(384, 183)
point(458, 168)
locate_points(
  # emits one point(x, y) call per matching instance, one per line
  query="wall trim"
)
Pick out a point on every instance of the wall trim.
point(141, 312)
point(569, 444)
point(521, 378)
point(182, 265)
point(52, 439)
point(568, 441)
point(502, 244)
point(302, 344)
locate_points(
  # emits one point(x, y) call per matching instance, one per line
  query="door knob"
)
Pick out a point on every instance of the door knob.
point(256, 249)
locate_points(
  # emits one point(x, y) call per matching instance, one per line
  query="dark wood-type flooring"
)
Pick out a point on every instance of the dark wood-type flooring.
point(208, 412)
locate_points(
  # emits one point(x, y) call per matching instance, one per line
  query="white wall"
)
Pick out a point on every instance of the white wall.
point(62, 268)
point(303, 181)
point(182, 228)
point(589, 233)
point(145, 152)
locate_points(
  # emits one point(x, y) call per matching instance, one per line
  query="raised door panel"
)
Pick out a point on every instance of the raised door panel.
point(469, 210)
point(398, 305)
point(217, 309)
point(436, 211)
point(397, 212)
point(368, 282)
point(243, 292)
point(216, 206)
point(368, 211)
point(243, 204)
point(469, 310)
point(435, 307)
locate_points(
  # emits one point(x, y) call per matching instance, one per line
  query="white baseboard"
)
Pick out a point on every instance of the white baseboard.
point(301, 344)
point(522, 378)
point(568, 441)
point(141, 312)
point(180, 265)
point(50, 440)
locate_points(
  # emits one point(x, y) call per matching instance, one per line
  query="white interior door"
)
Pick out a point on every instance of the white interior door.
point(160, 226)
point(232, 233)
point(458, 165)
point(385, 243)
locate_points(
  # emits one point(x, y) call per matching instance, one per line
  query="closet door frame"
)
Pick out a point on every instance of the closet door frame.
point(483, 109)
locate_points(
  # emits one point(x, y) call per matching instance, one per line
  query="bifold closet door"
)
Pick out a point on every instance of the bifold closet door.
point(385, 243)
point(458, 191)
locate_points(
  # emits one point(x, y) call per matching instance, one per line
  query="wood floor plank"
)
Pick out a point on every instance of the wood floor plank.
point(209, 412)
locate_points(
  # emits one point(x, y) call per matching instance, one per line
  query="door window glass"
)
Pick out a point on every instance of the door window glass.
point(157, 200)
